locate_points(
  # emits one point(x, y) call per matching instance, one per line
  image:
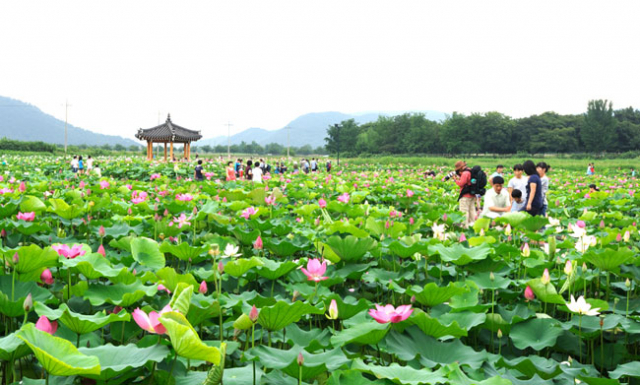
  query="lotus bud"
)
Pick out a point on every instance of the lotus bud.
point(300, 359)
point(101, 231)
point(236, 334)
point(296, 294)
point(203, 288)
point(333, 310)
point(618, 237)
point(528, 294)
point(258, 243)
point(499, 333)
point(627, 236)
point(601, 321)
point(220, 268)
point(27, 305)
point(568, 268)
point(492, 277)
point(525, 250)
point(481, 232)
point(101, 251)
point(581, 224)
point(602, 224)
point(584, 267)
point(463, 238)
point(444, 217)
point(411, 221)
point(129, 211)
point(47, 277)
point(16, 258)
point(627, 283)
point(615, 301)
point(3, 233)
point(570, 360)
point(545, 279)
point(507, 230)
point(253, 314)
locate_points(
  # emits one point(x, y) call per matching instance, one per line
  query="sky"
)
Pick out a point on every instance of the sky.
point(122, 65)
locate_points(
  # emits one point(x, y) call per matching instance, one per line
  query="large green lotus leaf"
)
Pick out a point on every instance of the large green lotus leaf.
point(537, 333)
point(458, 377)
point(351, 377)
point(181, 298)
point(115, 360)
point(313, 340)
point(431, 294)
point(402, 374)
point(466, 319)
point(30, 203)
point(285, 247)
point(347, 228)
point(147, 252)
point(609, 259)
point(433, 327)
point(348, 306)
point(367, 333)
point(484, 281)
point(286, 360)
point(80, 323)
point(56, 355)
point(65, 210)
point(431, 352)
point(282, 314)
point(202, 308)
point(123, 243)
point(33, 261)
point(184, 251)
point(545, 293)
point(534, 223)
point(306, 210)
point(350, 248)
point(532, 365)
point(631, 369)
point(8, 209)
point(170, 279)
point(461, 255)
point(238, 267)
point(118, 294)
point(122, 229)
point(12, 347)
point(246, 237)
point(514, 219)
point(407, 246)
point(30, 228)
point(273, 270)
point(94, 266)
point(20, 291)
point(185, 340)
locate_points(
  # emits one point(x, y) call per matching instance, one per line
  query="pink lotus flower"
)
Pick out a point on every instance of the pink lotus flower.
point(410, 193)
point(209, 175)
point(270, 200)
point(28, 217)
point(69, 252)
point(182, 220)
point(104, 184)
point(46, 326)
point(580, 224)
point(248, 212)
point(22, 187)
point(315, 270)
point(150, 322)
point(258, 243)
point(101, 251)
point(47, 277)
point(138, 197)
point(161, 287)
point(386, 314)
point(5, 190)
point(155, 176)
point(184, 197)
point(344, 198)
point(528, 294)
point(322, 203)
point(203, 288)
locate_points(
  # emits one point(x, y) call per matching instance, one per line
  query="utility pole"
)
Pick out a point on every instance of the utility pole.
point(66, 114)
point(229, 140)
point(288, 128)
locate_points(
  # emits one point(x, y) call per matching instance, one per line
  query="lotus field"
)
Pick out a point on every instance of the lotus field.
point(361, 276)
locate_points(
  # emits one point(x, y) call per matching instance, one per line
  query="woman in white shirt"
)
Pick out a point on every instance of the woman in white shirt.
point(257, 173)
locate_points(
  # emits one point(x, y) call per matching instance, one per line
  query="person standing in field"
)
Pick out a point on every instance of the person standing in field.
point(89, 164)
point(518, 182)
point(534, 189)
point(197, 175)
point(74, 164)
point(248, 172)
point(80, 165)
point(257, 173)
point(499, 172)
point(467, 202)
point(542, 169)
point(328, 166)
point(231, 172)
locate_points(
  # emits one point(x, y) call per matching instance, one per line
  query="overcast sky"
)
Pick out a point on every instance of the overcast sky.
point(263, 63)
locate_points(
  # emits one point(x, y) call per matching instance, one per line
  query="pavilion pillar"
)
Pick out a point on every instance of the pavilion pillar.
point(151, 150)
point(147, 150)
point(171, 153)
point(165, 151)
point(188, 151)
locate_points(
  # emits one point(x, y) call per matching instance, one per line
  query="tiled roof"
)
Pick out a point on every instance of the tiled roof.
point(168, 132)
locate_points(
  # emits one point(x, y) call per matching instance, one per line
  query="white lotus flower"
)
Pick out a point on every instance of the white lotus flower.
point(554, 222)
point(582, 245)
point(230, 251)
point(582, 307)
point(438, 231)
point(578, 232)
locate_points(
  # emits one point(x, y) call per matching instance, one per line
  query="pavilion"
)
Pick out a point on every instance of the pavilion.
point(168, 132)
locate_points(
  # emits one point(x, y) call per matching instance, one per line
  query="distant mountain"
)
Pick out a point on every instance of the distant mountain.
point(307, 129)
point(22, 121)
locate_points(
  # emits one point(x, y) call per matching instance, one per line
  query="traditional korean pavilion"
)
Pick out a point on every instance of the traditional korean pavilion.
point(168, 132)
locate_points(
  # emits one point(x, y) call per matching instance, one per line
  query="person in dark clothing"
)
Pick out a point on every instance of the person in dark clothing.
point(248, 172)
point(534, 189)
point(198, 172)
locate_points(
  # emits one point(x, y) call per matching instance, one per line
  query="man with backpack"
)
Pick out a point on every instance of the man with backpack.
point(472, 184)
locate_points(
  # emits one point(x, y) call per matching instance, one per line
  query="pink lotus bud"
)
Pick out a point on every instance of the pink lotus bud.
point(46, 326)
point(220, 267)
point(27, 305)
point(528, 294)
point(203, 288)
point(413, 299)
point(411, 221)
point(545, 279)
point(47, 277)
point(101, 251)
point(444, 217)
point(463, 237)
point(22, 187)
point(568, 267)
point(581, 224)
point(253, 314)
point(602, 224)
point(101, 231)
point(525, 250)
point(618, 237)
point(3, 233)
point(499, 334)
point(16, 258)
point(161, 287)
point(300, 359)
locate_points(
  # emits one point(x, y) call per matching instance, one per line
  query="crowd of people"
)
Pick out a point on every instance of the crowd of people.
point(254, 170)
point(80, 166)
point(525, 191)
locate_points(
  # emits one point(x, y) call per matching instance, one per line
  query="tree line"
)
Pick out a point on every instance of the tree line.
point(267, 149)
point(601, 129)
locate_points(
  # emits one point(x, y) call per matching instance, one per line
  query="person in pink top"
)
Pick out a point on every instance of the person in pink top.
point(231, 173)
point(462, 177)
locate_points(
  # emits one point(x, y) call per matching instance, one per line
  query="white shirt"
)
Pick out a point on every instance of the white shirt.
point(89, 164)
point(491, 199)
point(519, 184)
point(257, 174)
point(74, 163)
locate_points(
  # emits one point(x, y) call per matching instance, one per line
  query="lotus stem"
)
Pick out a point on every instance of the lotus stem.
point(13, 283)
point(253, 345)
point(628, 295)
point(580, 336)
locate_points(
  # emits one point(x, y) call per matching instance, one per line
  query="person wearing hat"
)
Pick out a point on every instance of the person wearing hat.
point(462, 177)
point(496, 200)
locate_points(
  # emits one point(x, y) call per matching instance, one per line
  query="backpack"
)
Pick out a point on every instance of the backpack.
point(477, 184)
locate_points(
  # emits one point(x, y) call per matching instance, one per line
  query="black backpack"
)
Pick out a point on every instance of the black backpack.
point(478, 183)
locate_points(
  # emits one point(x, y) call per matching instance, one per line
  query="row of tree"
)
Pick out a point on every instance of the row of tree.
point(17, 145)
point(600, 129)
point(255, 148)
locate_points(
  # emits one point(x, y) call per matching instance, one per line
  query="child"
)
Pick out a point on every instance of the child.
point(97, 170)
point(197, 175)
point(517, 203)
point(257, 173)
point(231, 172)
point(74, 164)
point(80, 165)
point(518, 182)
point(89, 164)
point(542, 169)
point(593, 188)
